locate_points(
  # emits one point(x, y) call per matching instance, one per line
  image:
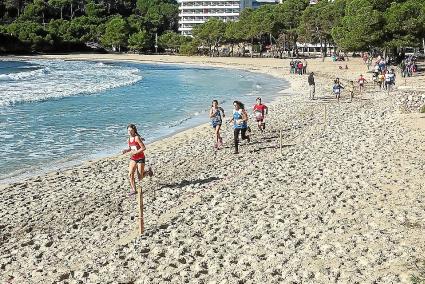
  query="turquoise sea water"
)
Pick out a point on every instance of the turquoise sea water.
point(55, 113)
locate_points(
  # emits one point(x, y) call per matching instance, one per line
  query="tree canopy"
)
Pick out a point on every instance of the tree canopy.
point(350, 25)
point(66, 25)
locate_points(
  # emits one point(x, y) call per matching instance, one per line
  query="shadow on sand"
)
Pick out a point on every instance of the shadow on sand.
point(187, 182)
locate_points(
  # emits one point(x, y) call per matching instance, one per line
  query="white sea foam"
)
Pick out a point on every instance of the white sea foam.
point(33, 74)
point(58, 79)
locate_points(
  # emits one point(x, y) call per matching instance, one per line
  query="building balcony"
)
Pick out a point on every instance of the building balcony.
point(197, 1)
point(208, 3)
point(181, 8)
point(192, 21)
point(196, 4)
point(209, 15)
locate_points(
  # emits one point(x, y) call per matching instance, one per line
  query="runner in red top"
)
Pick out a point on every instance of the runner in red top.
point(361, 82)
point(136, 149)
point(260, 112)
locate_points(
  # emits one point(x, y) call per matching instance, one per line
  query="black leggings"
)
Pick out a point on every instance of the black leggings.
point(236, 136)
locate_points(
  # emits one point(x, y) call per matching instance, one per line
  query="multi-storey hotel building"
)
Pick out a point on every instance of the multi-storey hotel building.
point(195, 12)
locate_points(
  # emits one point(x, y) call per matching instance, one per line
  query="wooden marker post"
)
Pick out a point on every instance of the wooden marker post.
point(280, 143)
point(326, 119)
point(140, 220)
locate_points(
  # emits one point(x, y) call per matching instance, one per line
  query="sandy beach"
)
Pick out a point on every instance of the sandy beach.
point(340, 200)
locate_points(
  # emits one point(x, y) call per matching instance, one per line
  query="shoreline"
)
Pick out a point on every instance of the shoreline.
point(95, 57)
point(340, 201)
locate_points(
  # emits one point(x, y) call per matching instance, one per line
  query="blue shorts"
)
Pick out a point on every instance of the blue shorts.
point(215, 123)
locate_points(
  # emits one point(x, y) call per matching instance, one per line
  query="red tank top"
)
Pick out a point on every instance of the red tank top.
point(134, 146)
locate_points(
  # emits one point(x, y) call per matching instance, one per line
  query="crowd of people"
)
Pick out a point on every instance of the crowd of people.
point(337, 87)
point(408, 66)
point(382, 76)
point(298, 67)
point(239, 120)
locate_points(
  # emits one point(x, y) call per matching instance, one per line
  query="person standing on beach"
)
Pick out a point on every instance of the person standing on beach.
point(260, 111)
point(361, 82)
point(365, 57)
point(300, 68)
point(240, 125)
point(312, 85)
point(216, 114)
point(351, 90)
point(136, 149)
point(337, 89)
point(376, 68)
point(381, 79)
point(304, 66)
point(389, 80)
point(292, 67)
point(369, 63)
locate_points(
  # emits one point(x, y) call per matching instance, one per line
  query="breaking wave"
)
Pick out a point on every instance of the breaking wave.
point(59, 79)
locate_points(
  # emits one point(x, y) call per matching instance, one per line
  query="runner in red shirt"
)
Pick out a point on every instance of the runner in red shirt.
point(136, 149)
point(260, 112)
point(361, 82)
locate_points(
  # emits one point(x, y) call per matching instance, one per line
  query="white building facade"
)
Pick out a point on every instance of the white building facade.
point(195, 12)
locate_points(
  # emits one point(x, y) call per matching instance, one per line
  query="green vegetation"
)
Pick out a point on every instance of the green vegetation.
point(121, 25)
point(422, 110)
point(67, 25)
point(210, 34)
point(170, 41)
point(350, 25)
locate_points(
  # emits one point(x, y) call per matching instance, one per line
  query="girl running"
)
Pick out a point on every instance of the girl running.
point(136, 149)
point(381, 80)
point(239, 119)
point(361, 82)
point(216, 120)
point(260, 111)
point(337, 89)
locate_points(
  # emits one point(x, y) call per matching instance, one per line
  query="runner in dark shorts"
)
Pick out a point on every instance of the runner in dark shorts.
point(216, 114)
point(260, 111)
